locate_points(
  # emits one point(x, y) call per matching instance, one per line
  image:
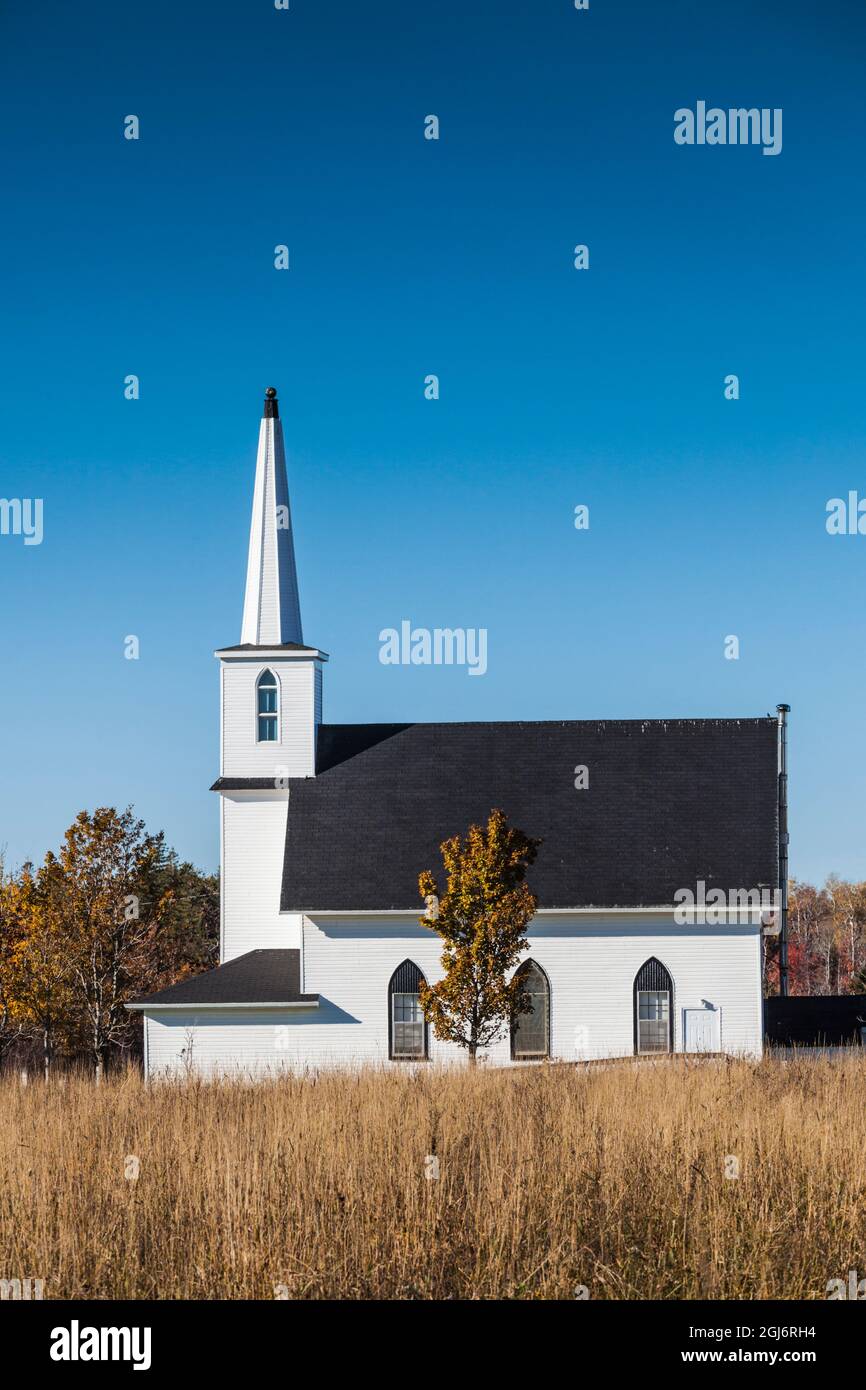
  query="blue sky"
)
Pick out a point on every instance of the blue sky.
point(409, 257)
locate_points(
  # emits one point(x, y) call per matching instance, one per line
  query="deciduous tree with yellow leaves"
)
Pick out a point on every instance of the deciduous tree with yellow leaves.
point(35, 983)
point(103, 893)
point(482, 917)
point(112, 914)
point(11, 1028)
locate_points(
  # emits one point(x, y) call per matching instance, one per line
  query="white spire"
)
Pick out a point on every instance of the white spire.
point(272, 612)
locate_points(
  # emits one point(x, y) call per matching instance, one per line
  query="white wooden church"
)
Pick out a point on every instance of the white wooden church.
point(324, 829)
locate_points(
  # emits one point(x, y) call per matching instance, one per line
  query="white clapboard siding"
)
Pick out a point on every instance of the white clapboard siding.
point(250, 1042)
point(293, 754)
point(590, 963)
point(253, 843)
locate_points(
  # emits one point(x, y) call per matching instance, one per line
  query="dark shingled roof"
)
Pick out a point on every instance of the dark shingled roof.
point(259, 977)
point(245, 784)
point(669, 802)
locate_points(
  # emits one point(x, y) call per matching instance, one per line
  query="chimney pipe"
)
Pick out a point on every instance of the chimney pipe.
point(783, 711)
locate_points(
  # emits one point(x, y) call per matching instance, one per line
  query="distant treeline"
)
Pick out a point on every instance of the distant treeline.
point(112, 915)
point(826, 940)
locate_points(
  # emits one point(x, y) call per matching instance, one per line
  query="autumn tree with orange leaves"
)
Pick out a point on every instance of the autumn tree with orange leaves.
point(111, 915)
point(826, 939)
point(482, 917)
point(34, 968)
point(101, 892)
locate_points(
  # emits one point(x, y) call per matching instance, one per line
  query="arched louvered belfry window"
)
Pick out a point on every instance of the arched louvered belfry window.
point(530, 1034)
point(653, 1008)
point(407, 1029)
point(267, 708)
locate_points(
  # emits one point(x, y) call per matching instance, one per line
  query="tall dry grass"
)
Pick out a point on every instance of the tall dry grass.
point(550, 1178)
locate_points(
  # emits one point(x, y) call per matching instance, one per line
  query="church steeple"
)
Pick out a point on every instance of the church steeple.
point(272, 611)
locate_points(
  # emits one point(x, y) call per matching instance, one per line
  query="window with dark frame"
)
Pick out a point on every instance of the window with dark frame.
point(267, 712)
point(530, 1034)
point(653, 1009)
point(407, 1028)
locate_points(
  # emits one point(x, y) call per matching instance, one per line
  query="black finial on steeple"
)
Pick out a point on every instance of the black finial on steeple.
point(272, 410)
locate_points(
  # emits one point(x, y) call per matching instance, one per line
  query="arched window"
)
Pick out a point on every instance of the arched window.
point(407, 1030)
point(653, 1008)
point(530, 1034)
point(267, 710)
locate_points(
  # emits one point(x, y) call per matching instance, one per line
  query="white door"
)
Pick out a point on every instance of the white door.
point(702, 1031)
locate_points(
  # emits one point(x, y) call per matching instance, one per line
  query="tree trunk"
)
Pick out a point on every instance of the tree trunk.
point(46, 1051)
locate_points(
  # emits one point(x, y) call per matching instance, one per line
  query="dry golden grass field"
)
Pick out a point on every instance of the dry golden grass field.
point(550, 1177)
